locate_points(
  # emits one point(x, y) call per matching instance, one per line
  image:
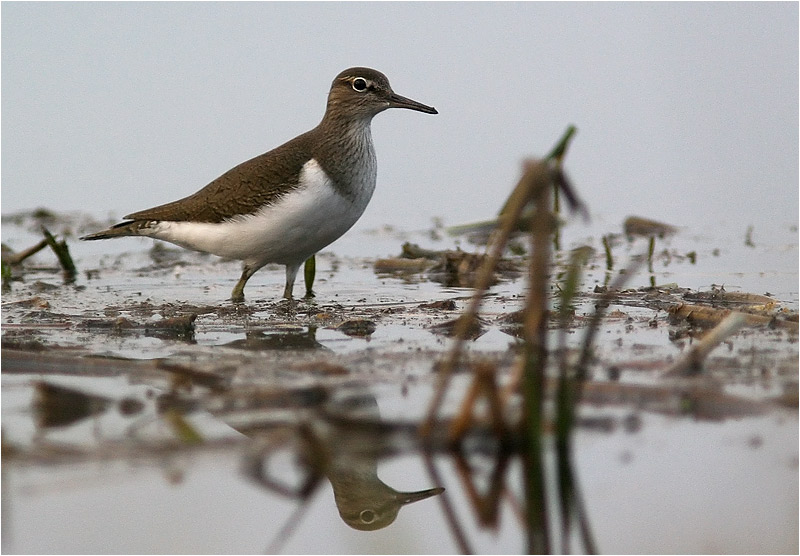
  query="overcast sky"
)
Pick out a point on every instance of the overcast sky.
point(686, 112)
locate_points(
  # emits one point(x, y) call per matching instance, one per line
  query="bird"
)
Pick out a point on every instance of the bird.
point(349, 458)
point(287, 204)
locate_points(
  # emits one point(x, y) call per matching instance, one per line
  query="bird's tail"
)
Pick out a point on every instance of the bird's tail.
point(123, 229)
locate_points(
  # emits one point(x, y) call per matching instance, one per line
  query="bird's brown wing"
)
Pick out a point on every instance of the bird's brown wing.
point(242, 189)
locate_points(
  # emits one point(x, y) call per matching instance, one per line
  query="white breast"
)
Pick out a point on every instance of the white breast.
point(287, 232)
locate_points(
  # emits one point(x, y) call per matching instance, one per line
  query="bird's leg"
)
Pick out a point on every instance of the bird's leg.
point(237, 296)
point(310, 271)
point(291, 274)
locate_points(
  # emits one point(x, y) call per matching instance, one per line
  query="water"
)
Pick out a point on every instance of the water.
point(720, 478)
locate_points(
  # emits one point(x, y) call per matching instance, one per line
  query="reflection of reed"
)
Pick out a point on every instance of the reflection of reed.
point(533, 193)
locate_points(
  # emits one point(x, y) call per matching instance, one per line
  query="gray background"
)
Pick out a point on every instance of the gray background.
point(686, 112)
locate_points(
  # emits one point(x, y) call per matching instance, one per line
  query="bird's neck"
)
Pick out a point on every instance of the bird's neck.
point(346, 153)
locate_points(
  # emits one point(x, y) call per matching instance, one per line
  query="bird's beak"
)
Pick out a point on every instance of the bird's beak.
point(397, 101)
point(409, 497)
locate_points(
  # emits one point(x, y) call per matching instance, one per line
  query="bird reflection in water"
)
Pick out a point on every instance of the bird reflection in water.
point(347, 456)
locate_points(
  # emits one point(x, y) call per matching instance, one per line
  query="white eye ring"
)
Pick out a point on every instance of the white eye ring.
point(367, 516)
point(359, 84)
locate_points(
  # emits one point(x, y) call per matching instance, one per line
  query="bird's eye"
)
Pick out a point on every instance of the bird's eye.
point(367, 516)
point(360, 84)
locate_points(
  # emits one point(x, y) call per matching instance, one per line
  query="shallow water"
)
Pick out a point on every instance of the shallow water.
point(657, 475)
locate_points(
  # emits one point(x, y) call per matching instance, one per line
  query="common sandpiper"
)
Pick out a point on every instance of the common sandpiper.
point(289, 203)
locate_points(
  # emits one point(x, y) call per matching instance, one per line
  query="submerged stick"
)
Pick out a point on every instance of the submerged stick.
point(701, 315)
point(17, 258)
point(62, 252)
point(692, 363)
